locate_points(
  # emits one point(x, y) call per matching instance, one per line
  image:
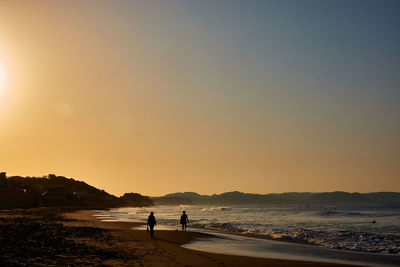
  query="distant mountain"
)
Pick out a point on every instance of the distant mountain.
point(388, 199)
point(56, 191)
point(189, 195)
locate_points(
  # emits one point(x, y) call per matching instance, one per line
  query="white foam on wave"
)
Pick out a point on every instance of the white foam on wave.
point(363, 242)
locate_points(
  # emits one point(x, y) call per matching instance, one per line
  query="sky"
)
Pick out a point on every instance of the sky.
point(208, 96)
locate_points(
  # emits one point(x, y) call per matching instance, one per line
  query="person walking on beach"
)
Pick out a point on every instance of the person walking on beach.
point(151, 222)
point(184, 221)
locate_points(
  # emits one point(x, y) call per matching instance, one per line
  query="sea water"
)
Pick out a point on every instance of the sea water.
point(349, 228)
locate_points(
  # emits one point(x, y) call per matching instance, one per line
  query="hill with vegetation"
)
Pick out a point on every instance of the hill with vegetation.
point(57, 191)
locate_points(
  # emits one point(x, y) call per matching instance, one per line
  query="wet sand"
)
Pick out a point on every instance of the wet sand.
point(59, 237)
point(165, 250)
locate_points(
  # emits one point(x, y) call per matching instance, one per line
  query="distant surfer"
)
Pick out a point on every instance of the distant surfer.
point(184, 221)
point(151, 222)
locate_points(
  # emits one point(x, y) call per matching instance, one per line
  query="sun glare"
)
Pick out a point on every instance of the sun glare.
point(1, 78)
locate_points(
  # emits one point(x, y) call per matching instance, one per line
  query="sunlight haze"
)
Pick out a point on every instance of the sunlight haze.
point(207, 96)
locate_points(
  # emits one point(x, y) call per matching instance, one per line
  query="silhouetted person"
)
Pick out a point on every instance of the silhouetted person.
point(184, 220)
point(151, 222)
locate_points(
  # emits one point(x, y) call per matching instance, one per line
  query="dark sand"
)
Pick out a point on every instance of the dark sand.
point(60, 237)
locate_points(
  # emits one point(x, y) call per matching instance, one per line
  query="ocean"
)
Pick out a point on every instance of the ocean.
point(373, 231)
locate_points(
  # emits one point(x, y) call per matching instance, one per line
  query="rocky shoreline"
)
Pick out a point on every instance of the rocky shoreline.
point(38, 237)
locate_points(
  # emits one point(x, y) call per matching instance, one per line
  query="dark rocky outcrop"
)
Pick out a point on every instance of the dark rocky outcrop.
point(135, 200)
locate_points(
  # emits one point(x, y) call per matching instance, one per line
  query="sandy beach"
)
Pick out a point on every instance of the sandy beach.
point(43, 237)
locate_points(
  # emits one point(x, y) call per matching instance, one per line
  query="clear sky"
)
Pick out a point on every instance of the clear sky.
point(209, 96)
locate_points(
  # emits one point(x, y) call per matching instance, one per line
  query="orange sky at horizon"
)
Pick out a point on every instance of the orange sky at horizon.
point(150, 98)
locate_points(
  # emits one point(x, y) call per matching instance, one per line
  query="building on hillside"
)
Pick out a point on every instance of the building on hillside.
point(3, 179)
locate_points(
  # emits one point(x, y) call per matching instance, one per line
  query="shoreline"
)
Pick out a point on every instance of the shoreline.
point(167, 245)
point(70, 237)
point(346, 229)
